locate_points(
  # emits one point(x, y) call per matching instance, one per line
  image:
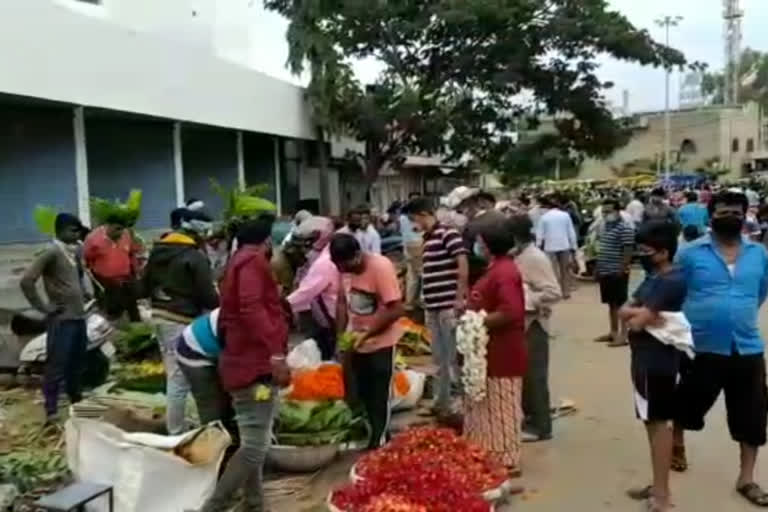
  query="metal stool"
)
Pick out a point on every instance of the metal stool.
point(74, 497)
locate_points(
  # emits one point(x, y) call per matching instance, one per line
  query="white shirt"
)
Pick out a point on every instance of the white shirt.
point(369, 239)
point(555, 232)
point(635, 209)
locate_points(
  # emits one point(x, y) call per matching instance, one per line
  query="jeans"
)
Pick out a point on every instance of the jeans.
point(372, 379)
point(442, 324)
point(246, 467)
point(176, 386)
point(65, 345)
point(213, 403)
point(118, 298)
point(536, 401)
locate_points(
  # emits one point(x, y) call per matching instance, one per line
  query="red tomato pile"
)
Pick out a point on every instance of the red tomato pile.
point(423, 470)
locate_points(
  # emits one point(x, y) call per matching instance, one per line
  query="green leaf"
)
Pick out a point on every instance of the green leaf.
point(45, 219)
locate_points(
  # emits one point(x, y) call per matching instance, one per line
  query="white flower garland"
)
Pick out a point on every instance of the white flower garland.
point(472, 343)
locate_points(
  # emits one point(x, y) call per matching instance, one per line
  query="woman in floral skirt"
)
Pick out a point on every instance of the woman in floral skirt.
point(495, 422)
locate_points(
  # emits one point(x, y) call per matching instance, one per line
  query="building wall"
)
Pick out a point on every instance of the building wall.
point(126, 154)
point(111, 65)
point(709, 132)
point(37, 166)
point(208, 153)
point(259, 156)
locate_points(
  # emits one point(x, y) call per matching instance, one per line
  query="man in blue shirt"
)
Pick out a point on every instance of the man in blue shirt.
point(693, 213)
point(727, 277)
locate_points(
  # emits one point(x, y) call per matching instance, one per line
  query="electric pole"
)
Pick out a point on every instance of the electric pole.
point(666, 22)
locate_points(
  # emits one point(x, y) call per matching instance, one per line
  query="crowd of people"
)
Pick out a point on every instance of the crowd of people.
point(223, 319)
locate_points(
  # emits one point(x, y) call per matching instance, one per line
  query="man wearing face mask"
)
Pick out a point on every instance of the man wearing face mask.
point(727, 277)
point(617, 241)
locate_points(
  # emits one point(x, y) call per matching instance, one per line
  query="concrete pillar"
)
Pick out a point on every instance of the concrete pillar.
point(178, 164)
point(81, 167)
point(278, 191)
point(240, 161)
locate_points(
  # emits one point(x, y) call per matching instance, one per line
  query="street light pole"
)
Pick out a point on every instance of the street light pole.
point(667, 22)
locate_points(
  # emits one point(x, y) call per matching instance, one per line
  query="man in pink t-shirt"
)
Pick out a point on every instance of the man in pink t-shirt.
point(370, 303)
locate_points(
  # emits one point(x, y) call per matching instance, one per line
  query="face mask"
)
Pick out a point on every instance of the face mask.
point(728, 227)
point(477, 249)
point(354, 227)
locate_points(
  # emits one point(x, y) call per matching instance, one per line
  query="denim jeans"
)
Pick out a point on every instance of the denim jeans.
point(442, 324)
point(246, 467)
point(65, 354)
point(176, 386)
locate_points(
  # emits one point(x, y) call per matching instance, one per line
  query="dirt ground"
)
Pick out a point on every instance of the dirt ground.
point(600, 452)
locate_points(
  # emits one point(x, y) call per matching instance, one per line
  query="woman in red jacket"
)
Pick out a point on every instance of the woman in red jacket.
point(496, 422)
point(254, 332)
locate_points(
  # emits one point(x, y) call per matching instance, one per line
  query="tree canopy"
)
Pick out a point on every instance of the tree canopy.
point(458, 76)
point(753, 74)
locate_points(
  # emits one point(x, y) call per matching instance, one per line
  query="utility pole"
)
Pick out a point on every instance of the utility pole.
point(667, 22)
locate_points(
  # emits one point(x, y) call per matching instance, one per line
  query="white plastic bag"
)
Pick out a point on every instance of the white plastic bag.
point(305, 355)
point(415, 392)
point(145, 473)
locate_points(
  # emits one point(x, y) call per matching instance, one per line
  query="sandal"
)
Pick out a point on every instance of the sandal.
point(679, 460)
point(754, 494)
point(605, 338)
point(619, 343)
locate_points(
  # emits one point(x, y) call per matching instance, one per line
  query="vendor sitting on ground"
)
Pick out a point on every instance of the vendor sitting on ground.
point(61, 268)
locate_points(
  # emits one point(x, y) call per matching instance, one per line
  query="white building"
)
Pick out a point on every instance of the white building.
point(101, 96)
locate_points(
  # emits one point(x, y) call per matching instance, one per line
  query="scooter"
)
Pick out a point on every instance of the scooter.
point(29, 327)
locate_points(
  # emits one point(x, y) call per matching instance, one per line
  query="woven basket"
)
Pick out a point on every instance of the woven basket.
point(301, 459)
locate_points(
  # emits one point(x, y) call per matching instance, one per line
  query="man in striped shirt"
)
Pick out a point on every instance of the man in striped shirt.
point(445, 273)
point(617, 243)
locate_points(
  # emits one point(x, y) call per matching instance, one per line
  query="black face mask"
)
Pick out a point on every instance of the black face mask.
point(728, 227)
point(354, 227)
point(646, 261)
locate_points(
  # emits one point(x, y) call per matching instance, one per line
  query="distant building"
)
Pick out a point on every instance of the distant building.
point(725, 137)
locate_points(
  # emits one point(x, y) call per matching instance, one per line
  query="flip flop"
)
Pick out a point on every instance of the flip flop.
point(679, 460)
point(754, 494)
point(615, 344)
point(605, 338)
point(640, 494)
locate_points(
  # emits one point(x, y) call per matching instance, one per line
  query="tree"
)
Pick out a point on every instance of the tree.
point(753, 75)
point(458, 75)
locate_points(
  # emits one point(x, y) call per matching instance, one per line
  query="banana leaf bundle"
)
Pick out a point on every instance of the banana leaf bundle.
point(104, 211)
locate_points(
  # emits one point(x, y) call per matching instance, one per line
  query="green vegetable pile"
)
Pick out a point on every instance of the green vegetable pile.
point(32, 468)
point(126, 213)
point(304, 423)
point(135, 340)
point(240, 204)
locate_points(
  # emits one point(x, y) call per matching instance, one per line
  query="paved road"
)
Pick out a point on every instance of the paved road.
point(600, 452)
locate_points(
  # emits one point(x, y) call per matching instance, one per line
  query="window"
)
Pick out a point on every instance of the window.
point(735, 145)
point(750, 145)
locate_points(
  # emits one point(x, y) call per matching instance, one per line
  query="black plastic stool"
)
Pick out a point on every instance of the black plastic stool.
point(74, 497)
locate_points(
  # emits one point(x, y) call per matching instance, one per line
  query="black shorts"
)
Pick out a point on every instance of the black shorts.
point(614, 289)
point(746, 397)
point(655, 370)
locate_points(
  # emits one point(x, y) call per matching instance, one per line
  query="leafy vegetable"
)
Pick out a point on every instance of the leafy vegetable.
point(346, 341)
point(45, 219)
point(135, 340)
point(239, 204)
point(127, 213)
point(31, 468)
point(293, 416)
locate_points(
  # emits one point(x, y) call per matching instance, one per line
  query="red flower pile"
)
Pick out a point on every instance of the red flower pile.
point(423, 470)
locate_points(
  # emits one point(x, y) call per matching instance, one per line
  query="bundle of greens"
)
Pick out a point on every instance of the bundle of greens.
point(45, 219)
point(32, 468)
point(304, 423)
point(125, 213)
point(242, 204)
point(135, 340)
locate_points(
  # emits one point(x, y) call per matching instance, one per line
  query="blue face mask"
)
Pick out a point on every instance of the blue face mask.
point(477, 248)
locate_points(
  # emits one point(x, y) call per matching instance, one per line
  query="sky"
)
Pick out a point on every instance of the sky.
point(699, 36)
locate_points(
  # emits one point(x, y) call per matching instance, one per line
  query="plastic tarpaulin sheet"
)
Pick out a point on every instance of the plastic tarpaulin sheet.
point(149, 473)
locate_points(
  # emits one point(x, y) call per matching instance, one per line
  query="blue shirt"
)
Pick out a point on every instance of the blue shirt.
point(407, 232)
point(721, 306)
point(694, 214)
